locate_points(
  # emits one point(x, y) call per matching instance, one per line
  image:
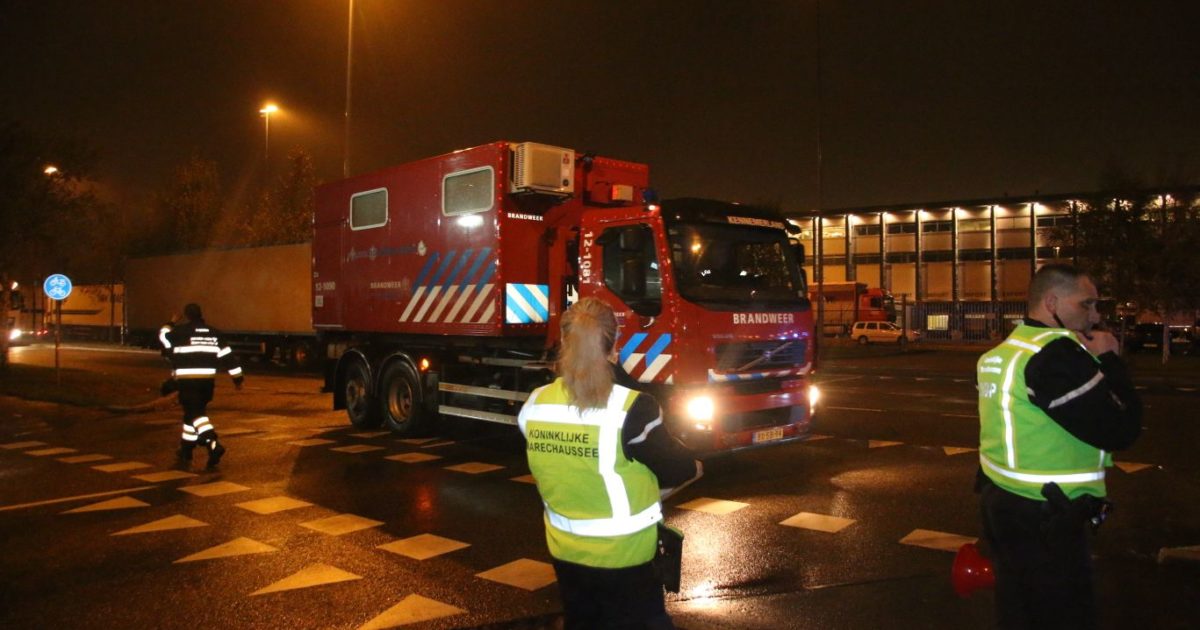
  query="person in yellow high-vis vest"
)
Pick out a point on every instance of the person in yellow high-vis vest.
point(1054, 402)
point(602, 459)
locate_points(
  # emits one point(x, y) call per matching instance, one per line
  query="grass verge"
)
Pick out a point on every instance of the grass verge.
point(77, 387)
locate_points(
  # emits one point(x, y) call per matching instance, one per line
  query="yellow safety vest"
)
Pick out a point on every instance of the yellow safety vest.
point(1021, 448)
point(600, 506)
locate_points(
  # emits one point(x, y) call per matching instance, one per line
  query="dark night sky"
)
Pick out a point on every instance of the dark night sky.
point(922, 100)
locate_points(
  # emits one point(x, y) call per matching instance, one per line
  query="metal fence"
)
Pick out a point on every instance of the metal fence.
point(964, 321)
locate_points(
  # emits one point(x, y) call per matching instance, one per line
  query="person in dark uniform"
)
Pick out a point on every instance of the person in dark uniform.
point(196, 352)
point(603, 460)
point(1054, 402)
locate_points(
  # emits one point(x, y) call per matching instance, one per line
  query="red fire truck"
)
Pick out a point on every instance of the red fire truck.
point(849, 302)
point(438, 286)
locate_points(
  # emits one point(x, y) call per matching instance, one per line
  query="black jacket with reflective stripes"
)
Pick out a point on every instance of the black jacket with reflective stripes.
point(197, 351)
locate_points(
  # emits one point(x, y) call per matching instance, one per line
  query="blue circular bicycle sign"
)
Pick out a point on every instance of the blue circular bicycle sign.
point(57, 287)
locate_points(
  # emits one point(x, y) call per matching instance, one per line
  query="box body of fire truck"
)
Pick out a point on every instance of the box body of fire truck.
point(438, 286)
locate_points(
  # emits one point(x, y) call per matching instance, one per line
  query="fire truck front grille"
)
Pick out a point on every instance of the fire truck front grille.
point(774, 354)
point(761, 419)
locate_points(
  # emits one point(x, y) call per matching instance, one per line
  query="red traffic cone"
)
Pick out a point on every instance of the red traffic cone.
point(971, 571)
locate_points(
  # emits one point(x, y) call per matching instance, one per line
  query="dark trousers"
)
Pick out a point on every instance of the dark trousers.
point(194, 396)
point(609, 599)
point(1043, 577)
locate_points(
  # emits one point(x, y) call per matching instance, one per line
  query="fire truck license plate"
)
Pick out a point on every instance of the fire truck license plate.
point(768, 435)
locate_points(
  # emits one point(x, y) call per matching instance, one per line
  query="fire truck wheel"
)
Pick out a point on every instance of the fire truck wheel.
point(862, 341)
point(401, 399)
point(360, 405)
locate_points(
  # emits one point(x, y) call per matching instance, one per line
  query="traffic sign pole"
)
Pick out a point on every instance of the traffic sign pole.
point(57, 288)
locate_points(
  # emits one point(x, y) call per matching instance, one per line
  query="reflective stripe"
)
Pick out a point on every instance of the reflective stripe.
point(188, 437)
point(195, 349)
point(162, 336)
point(204, 429)
point(199, 422)
point(1045, 478)
point(606, 526)
point(224, 352)
point(1022, 345)
point(611, 419)
point(187, 428)
point(1078, 391)
point(195, 372)
point(1051, 333)
point(645, 432)
point(593, 417)
point(237, 371)
point(1006, 410)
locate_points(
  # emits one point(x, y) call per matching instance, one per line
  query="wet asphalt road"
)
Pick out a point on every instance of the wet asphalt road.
point(449, 532)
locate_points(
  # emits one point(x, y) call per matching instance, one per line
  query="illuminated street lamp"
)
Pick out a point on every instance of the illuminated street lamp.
point(266, 111)
point(50, 169)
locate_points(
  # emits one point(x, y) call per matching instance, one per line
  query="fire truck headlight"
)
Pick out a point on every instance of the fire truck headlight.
point(814, 394)
point(15, 334)
point(700, 408)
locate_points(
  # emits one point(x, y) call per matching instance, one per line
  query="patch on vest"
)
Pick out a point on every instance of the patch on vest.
point(558, 442)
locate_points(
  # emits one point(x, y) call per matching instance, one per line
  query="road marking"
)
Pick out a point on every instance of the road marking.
point(273, 505)
point(341, 524)
point(851, 408)
point(882, 443)
point(826, 381)
point(123, 503)
point(178, 521)
point(315, 575)
point(412, 609)
point(236, 547)
point(931, 539)
point(168, 475)
point(214, 489)
point(74, 498)
point(474, 468)
point(424, 546)
point(417, 441)
point(51, 451)
point(12, 446)
point(524, 573)
point(1132, 467)
point(818, 522)
point(437, 444)
point(524, 479)
point(816, 437)
point(82, 459)
point(311, 442)
point(357, 448)
point(957, 450)
point(1186, 389)
point(370, 434)
point(713, 506)
point(413, 458)
point(121, 467)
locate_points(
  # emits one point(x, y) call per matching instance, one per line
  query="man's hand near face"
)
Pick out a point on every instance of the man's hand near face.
point(1102, 341)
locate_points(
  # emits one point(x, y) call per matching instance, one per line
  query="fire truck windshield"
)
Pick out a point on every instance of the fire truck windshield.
point(733, 266)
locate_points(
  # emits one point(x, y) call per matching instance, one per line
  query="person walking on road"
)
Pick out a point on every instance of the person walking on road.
point(196, 352)
point(602, 457)
point(1054, 402)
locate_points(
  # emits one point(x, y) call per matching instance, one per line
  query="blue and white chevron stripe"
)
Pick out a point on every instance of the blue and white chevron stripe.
point(647, 366)
point(526, 303)
point(454, 283)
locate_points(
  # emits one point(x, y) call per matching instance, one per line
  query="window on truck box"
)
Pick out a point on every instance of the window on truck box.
point(468, 192)
point(368, 209)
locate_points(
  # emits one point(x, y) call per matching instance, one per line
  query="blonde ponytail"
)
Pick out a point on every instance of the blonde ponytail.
point(589, 331)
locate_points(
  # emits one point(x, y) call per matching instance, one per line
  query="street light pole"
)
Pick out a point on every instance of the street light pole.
point(266, 111)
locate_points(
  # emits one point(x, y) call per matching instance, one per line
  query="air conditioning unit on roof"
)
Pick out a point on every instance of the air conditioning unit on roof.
point(543, 169)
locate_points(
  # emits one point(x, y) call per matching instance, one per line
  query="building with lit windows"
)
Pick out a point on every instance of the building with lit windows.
point(962, 268)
